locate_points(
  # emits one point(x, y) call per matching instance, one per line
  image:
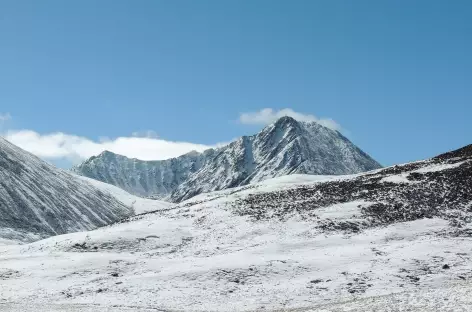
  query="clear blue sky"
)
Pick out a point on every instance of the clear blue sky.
point(397, 75)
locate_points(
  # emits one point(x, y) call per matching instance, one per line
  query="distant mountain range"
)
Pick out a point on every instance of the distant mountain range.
point(284, 147)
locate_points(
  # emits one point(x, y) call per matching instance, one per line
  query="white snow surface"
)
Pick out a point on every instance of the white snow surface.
point(139, 204)
point(4, 242)
point(200, 256)
point(439, 167)
point(397, 179)
point(274, 184)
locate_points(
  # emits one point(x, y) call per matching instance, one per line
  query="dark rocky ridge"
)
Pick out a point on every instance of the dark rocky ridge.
point(444, 192)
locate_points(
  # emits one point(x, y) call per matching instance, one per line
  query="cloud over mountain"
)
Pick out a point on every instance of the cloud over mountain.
point(268, 115)
point(75, 148)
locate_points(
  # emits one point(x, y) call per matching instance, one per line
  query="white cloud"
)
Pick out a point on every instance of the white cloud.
point(73, 148)
point(145, 145)
point(268, 115)
point(4, 117)
point(145, 134)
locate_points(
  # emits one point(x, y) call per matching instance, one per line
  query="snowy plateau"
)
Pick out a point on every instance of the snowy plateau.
point(390, 239)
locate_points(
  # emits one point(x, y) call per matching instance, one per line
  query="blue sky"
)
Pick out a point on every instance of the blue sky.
point(76, 76)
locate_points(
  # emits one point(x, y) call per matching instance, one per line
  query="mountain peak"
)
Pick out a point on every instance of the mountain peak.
point(286, 123)
point(285, 120)
point(107, 154)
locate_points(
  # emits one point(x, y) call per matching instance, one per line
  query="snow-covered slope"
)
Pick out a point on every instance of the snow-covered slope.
point(395, 239)
point(138, 204)
point(38, 200)
point(285, 147)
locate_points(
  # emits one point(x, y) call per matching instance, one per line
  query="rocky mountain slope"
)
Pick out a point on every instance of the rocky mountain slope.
point(285, 147)
point(38, 200)
point(143, 178)
point(393, 239)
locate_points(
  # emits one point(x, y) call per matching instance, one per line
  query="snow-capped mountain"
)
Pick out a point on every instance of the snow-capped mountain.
point(393, 239)
point(143, 178)
point(284, 147)
point(38, 200)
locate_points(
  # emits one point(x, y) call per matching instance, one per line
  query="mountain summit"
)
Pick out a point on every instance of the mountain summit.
point(285, 147)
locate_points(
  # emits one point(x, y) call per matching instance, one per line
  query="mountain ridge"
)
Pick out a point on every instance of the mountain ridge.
point(39, 200)
point(285, 147)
